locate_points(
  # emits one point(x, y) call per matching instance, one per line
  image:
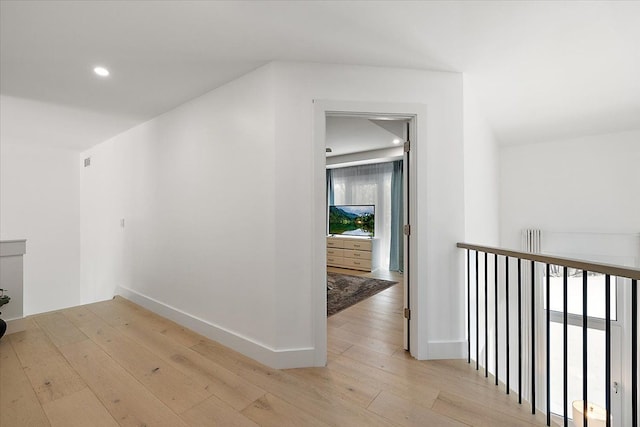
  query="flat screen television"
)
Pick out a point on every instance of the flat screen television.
point(352, 220)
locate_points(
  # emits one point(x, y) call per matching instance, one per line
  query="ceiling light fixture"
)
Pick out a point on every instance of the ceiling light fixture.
point(101, 71)
point(397, 141)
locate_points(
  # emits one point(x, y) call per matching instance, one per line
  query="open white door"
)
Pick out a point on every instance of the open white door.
point(407, 235)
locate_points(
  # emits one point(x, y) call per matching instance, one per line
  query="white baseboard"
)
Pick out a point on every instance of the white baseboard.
point(274, 358)
point(15, 325)
point(447, 350)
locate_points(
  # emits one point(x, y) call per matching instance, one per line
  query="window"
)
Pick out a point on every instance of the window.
point(610, 248)
point(368, 185)
point(595, 336)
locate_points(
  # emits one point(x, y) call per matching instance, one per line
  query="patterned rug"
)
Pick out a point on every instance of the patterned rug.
point(344, 291)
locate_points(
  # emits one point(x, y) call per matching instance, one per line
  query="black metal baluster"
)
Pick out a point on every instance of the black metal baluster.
point(585, 322)
point(506, 288)
point(519, 331)
point(634, 353)
point(468, 306)
point(495, 311)
point(584, 347)
point(607, 316)
point(486, 317)
point(565, 362)
point(533, 337)
point(548, 299)
point(477, 316)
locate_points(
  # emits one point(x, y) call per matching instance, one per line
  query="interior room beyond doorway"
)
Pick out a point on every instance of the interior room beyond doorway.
point(364, 180)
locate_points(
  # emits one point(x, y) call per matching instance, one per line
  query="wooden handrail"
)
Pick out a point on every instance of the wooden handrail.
point(596, 267)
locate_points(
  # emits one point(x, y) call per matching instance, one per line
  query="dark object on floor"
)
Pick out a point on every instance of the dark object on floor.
point(4, 299)
point(343, 291)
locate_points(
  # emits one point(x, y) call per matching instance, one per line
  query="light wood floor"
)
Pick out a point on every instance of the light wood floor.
point(376, 274)
point(114, 363)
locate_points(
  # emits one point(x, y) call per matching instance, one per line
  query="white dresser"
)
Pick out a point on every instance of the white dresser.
point(355, 253)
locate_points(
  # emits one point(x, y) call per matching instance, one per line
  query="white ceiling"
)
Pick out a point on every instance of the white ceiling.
point(539, 70)
point(346, 135)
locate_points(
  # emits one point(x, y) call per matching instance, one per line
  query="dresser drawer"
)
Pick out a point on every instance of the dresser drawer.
point(350, 253)
point(360, 264)
point(335, 261)
point(333, 242)
point(335, 252)
point(362, 245)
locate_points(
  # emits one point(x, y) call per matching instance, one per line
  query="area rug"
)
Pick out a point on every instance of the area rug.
point(344, 291)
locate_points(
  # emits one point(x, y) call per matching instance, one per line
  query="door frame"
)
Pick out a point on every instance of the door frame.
point(416, 113)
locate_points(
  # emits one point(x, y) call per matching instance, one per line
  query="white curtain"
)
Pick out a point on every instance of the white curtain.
point(368, 185)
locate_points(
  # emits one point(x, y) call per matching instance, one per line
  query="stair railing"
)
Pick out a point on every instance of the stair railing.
point(536, 259)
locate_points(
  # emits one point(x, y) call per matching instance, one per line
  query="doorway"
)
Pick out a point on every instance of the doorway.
point(390, 119)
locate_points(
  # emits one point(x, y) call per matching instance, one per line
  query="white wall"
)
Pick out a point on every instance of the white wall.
point(195, 187)
point(39, 189)
point(481, 175)
point(438, 296)
point(584, 184)
point(102, 186)
point(218, 198)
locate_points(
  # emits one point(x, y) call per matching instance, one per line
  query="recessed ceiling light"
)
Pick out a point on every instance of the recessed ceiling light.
point(397, 141)
point(101, 71)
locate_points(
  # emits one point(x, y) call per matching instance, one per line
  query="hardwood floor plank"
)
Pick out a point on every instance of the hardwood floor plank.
point(214, 412)
point(18, 401)
point(331, 409)
point(336, 320)
point(337, 345)
point(387, 335)
point(49, 373)
point(177, 390)
point(471, 413)
point(361, 315)
point(226, 385)
point(338, 384)
point(363, 340)
point(128, 401)
point(420, 393)
point(441, 376)
point(270, 411)
point(412, 369)
point(57, 327)
point(64, 411)
point(367, 321)
point(406, 413)
point(119, 312)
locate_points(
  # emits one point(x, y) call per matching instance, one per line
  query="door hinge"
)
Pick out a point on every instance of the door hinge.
point(407, 313)
point(406, 229)
point(407, 146)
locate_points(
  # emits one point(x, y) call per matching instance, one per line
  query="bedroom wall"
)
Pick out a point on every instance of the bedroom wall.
point(40, 202)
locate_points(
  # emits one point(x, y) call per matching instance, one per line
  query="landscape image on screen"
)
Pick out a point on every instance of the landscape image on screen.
point(352, 220)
